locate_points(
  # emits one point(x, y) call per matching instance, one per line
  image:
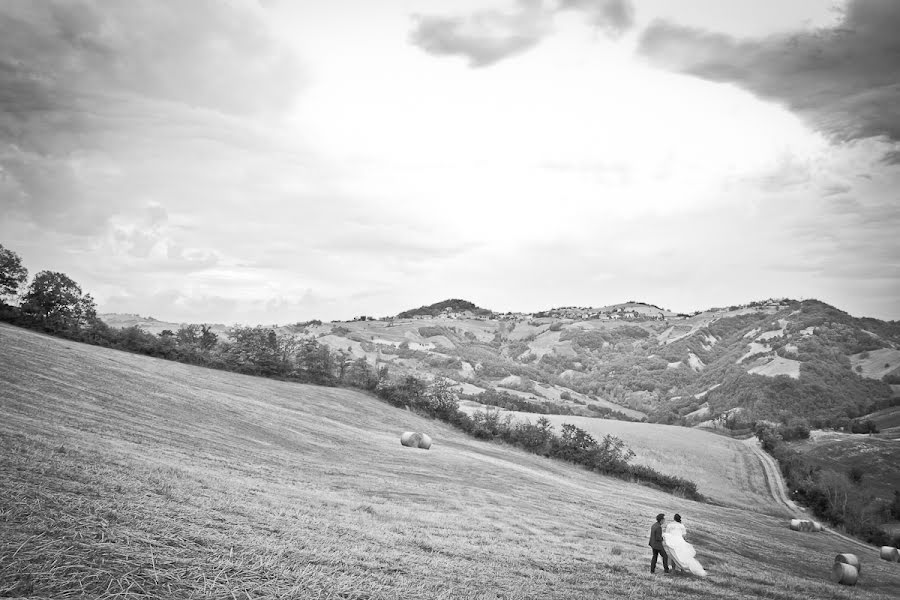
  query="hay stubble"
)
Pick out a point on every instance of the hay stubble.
point(128, 477)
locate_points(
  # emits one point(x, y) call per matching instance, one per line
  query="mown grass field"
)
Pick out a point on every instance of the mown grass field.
point(123, 476)
point(724, 471)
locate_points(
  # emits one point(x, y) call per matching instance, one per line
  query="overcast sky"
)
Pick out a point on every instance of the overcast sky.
point(274, 161)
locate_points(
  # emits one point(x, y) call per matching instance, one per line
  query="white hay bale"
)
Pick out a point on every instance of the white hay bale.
point(849, 559)
point(844, 574)
point(805, 525)
point(889, 553)
point(414, 439)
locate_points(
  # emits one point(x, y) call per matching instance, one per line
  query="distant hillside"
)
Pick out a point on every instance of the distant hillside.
point(149, 324)
point(453, 306)
point(771, 360)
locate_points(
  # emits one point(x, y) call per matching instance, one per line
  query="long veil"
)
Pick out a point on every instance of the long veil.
point(681, 553)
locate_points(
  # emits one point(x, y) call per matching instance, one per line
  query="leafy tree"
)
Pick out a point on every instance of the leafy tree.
point(440, 398)
point(188, 337)
point(208, 339)
point(535, 436)
point(259, 350)
point(408, 392)
point(360, 374)
point(12, 274)
point(136, 339)
point(315, 363)
point(167, 342)
point(56, 302)
point(863, 426)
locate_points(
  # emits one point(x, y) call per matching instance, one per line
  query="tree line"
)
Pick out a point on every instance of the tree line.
point(55, 304)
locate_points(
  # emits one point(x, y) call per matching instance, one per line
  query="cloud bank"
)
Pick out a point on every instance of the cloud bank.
point(487, 37)
point(844, 80)
point(89, 84)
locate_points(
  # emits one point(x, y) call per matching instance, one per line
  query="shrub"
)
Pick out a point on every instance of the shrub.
point(863, 426)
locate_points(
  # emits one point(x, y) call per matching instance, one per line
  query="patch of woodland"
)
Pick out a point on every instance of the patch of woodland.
point(833, 496)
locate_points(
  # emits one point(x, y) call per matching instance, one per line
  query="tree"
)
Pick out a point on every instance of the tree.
point(208, 339)
point(188, 337)
point(258, 349)
point(440, 398)
point(167, 342)
point(535, 436)
point(55, 301)
point(315, 362)
point(360, 374)
point(12, 274)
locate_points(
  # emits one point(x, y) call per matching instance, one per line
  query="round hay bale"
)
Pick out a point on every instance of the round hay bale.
point(889, 553)
point(805, 525)
point(844, 574)
point(412, 439)
point(849, 559)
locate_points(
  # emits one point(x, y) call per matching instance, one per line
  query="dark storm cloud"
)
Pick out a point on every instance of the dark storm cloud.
point(487, 37)
point(844, 80)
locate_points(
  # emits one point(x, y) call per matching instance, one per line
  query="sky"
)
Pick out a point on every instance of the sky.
point(274, 161)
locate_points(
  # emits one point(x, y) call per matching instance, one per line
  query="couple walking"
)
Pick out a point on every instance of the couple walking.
point(670, 543)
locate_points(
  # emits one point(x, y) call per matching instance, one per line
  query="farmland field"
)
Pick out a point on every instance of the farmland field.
point(123, 476)
point(875, 455)
point(887, 420)
point(721, 467)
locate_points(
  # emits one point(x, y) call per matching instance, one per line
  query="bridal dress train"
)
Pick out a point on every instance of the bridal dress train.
point(681, 553)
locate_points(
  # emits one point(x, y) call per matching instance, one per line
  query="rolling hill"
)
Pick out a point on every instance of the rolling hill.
point(129, 476)
point(773, 360)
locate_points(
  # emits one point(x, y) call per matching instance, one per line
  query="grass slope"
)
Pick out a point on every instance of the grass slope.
point(123, 476)
point(876, 456)
point(724, 471)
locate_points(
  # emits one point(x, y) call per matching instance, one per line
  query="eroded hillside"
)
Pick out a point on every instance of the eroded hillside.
point(770, 360)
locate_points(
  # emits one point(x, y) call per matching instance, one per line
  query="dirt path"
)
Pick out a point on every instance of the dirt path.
point(777, 487)
point(773, 476)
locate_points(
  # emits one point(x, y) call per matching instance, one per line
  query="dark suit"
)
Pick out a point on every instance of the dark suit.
point(656, 542)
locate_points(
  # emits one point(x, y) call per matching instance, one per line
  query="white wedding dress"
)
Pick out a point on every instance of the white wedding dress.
point(681, 553)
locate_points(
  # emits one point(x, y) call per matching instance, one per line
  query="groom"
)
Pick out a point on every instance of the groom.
point(656, 542)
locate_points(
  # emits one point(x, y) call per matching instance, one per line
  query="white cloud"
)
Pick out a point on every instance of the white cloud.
point(376, 177)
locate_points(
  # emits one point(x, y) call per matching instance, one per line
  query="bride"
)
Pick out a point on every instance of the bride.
point(681, 553)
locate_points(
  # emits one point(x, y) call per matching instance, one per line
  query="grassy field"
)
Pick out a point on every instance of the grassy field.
point(875, 455)
point(887, 420)
point(724, 471)
point(123, 476)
